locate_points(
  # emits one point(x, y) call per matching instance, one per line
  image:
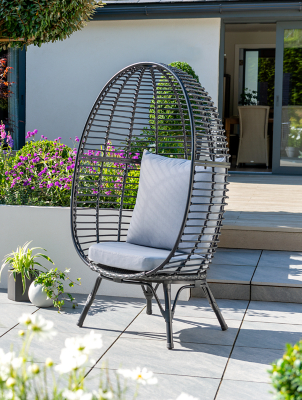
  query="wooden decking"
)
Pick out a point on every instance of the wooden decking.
point(263, 212)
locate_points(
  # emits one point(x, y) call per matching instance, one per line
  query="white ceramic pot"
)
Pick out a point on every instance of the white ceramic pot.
point(38, 297)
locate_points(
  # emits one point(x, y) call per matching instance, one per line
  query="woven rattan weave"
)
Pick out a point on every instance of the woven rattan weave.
point(163, 109)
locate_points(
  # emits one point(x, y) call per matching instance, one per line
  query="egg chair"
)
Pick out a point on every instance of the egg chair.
point(149, 185)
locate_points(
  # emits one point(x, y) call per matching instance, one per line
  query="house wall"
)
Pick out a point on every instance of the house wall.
point(64, 78)
point(233, 38)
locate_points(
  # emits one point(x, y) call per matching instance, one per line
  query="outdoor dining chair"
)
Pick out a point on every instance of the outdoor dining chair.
point(149, 186)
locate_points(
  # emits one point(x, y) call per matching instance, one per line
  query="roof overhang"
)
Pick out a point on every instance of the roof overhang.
point(231, 10)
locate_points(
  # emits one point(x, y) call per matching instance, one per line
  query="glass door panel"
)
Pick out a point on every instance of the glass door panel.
point(288, 101)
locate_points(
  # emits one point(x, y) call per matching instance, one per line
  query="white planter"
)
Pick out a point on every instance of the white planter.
point(38, 297)
point(291, 152)
point(49, 228)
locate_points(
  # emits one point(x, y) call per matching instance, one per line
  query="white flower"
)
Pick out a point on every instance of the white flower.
point(185, 396)
point(33, 369)
point(77, 350)
point(38, 325)
point(70, 361)
point(8, 361)
point(140, 375)
point(10, 382)
point(78, 395)
point(103, 395)
point(85, 343)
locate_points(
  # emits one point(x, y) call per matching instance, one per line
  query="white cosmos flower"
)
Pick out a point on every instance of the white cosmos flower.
point(70, 361)
point(78, 395)
point(38, 325)
point(185, 396)
point(8, 361)
point(140, 375)
point(77, 351)
point(103, 395)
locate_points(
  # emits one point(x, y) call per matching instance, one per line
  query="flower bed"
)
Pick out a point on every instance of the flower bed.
point(41, 173)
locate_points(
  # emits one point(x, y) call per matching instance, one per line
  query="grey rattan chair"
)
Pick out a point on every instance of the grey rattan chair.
point(164, 110)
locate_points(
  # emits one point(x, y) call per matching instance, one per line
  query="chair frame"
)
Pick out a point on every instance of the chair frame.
point(204, 143)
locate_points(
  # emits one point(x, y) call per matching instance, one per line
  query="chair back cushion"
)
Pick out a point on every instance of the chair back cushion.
point(161, 201)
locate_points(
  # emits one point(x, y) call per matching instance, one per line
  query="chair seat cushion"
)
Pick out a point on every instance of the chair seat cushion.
point(129, 256)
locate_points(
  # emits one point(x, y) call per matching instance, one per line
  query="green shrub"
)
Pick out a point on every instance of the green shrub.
point(170, 140)
point(286, 374)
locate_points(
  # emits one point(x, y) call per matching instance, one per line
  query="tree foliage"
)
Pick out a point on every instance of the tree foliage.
point(26, 22)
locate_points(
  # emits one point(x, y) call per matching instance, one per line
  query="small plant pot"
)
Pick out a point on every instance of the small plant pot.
point(38, 297)
point(291, 152)
point(15, 287)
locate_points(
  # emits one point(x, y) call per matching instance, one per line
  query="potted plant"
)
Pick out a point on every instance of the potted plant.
point(48, 288)
point(22, 272)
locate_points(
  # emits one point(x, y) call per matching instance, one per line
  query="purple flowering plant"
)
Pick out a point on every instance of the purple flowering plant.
point(41, 174)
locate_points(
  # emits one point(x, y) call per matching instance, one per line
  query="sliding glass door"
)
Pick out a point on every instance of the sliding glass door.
point(287, 146)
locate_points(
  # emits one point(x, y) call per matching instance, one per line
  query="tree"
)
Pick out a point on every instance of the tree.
point(25, 22)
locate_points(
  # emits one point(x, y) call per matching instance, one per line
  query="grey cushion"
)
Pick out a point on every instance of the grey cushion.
point(129, 256)
point(161, 201)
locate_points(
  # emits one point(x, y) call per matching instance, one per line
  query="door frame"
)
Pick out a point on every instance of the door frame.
point(276, 168)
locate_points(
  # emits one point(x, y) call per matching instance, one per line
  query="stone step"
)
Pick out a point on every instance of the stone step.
point(261, 237)
point(244, 274)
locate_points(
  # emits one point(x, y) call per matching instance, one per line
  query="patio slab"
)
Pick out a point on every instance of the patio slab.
point(202, 362)
point(239, 390)
point(185, 329)
point(252, 363)
point(268, 335)
point(281, 313)
point(209, 360)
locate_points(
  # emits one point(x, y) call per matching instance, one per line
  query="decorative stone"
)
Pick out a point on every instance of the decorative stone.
point(38, 297)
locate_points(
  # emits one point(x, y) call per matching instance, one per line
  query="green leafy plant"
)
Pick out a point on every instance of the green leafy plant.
point(286, 373)
point(23, 261)
point(53, 286)
point(25, 22)
point(167, 114)
point(248, 97)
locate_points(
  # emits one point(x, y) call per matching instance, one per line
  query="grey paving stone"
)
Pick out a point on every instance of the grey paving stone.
point(232, 291)
point(168, 386)
point(236, 257)
point(106, 317)
point(4, 299)
point(251, 364)
point(11, 312)
point(50, 348)
point(241, 274)
point(290, 275)
point(241, 390)
point(280, 259)
point(187, 358)
point(200, 308)
point(276, 293)
point(282, 313)
point(268, 335)
point(185, 329)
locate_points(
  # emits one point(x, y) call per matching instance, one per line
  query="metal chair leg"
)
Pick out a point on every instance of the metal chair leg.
point(168, 314)
point(149, 296)
point(214, 306)
point(89, 301)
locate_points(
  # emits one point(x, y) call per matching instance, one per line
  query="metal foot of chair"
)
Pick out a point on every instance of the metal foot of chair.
point(214, 306)
point(89, 301)
point(168, 315)
point(148, 294)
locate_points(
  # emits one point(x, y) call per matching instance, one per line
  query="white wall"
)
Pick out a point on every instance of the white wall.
point(233, 38)
point(64, 78)
point(49, 228)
